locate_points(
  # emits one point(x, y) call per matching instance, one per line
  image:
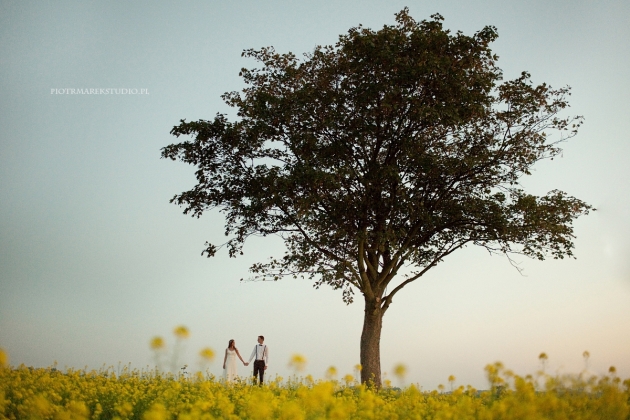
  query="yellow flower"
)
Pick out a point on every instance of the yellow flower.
point(157, 343)
point(331, 372)
point(181, 332)
point(4, 358)
point(400, 371)
point(291, 410)
point(259, 405)
point(451, 381)
point(543, 361)
point(157, 412)
point(207, 354)
point(297, 362)
point(40, 407)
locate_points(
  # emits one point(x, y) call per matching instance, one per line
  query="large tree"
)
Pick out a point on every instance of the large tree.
point(389, 149)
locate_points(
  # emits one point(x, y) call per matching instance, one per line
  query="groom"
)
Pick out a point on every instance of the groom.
point(261, 355)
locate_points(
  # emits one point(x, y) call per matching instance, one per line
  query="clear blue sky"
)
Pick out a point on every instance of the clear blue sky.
point(94, 261)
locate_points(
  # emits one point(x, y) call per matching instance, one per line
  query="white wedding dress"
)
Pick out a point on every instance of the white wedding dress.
point(229, 373)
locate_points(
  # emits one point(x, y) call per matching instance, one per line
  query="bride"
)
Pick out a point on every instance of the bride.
point(229, 362)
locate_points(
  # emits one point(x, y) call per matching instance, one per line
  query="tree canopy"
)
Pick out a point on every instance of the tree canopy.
point(391, 148)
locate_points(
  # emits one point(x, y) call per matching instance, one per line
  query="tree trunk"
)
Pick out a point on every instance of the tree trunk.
point(371, 343)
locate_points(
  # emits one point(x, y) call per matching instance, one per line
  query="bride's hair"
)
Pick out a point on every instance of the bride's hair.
point(231, 344)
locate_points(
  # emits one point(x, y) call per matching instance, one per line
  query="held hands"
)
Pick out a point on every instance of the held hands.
point(246, 364)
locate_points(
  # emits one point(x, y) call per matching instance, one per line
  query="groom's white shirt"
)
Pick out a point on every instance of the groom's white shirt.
point(260, 352)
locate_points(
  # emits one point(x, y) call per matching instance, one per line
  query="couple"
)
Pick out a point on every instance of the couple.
point(260, 353)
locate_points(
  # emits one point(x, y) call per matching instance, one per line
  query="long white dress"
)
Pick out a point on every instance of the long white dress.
point(229, 373)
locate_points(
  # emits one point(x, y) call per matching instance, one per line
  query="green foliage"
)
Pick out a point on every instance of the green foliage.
point(392, 147)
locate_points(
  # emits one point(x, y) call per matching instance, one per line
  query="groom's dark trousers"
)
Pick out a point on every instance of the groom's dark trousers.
point(259, 370)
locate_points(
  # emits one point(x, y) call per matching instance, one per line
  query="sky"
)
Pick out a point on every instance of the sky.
point(95, 261)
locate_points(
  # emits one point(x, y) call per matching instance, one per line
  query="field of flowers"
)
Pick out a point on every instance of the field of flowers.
point(27, 393)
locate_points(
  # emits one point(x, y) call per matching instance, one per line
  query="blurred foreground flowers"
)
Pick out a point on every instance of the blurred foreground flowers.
point(27, 393)
point(297, 362)
point(181, 332)
point(161, 352)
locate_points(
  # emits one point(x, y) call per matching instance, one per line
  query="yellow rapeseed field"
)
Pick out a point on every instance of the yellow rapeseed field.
point(27, 393)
